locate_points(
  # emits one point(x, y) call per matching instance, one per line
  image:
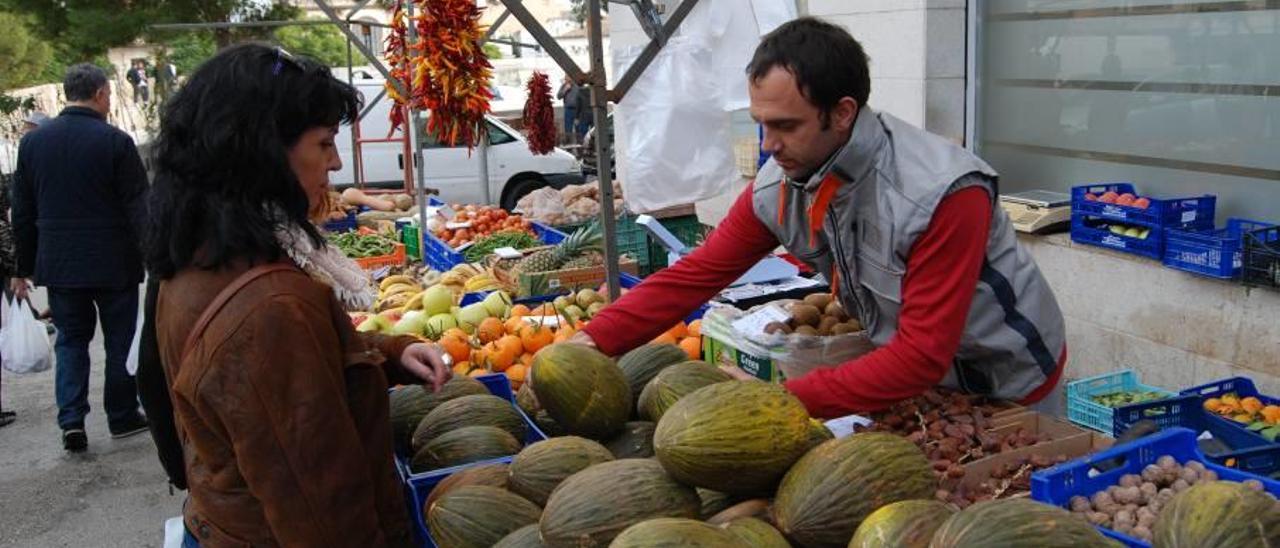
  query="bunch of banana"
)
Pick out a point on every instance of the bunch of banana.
point(397, 292)
point(482, 282)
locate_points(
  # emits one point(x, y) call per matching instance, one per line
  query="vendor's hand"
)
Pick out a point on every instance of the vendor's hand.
point(427, 362)
point(738, 374)
point(582, 338)
point(21, 288)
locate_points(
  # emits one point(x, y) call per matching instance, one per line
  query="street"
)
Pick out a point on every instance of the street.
point(115, 494)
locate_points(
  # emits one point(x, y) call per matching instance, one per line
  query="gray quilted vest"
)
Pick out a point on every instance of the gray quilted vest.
point(890, 178)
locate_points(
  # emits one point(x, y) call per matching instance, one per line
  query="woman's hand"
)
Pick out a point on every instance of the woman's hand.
point(427, 362)
point(20, 287)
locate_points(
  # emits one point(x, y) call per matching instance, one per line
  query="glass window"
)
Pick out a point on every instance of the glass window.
point(1178, 97)
point(497, 136)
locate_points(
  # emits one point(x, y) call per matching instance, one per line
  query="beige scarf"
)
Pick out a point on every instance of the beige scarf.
point(327, 265)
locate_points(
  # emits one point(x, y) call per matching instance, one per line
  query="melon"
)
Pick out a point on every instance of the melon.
point(674, 532)
point(635, 441)
point(755, 533)
point(581, 389)
point(714, 502)
point(481, 410)
point(595, 505)
point(826, 495)
point(905, 524)
point(547, 424)
point(643, 364)
point(675, 382)
point(524, 537)
point(409, 404)
point(540, 467)
point(493, 475)
point(527, 401)
point(734, 437)
point(478, 516)
point(818, 433)
point(1017, 523)
point(1218, 513)
point(464, 445)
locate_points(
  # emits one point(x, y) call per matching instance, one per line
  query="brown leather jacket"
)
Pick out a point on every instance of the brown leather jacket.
point(282, 411)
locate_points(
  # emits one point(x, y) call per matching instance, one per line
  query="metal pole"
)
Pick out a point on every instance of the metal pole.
point(599, 104)
point(415, 137)
point(357, 170)
point(483, 153)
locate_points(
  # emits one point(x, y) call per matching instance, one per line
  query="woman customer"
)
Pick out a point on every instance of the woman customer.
point(8, 266)
point(280, 405)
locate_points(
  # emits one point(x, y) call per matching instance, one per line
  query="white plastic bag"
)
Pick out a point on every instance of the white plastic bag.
point(24, 342)
point(131, 363)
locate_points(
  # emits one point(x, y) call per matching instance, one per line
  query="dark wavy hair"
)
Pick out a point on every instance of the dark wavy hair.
point(223, 184)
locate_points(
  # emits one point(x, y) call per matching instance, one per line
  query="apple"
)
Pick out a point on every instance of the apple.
point(374, 324)
point(412, 322)
point(497, 304)
point(437, 299)
point(470, 316)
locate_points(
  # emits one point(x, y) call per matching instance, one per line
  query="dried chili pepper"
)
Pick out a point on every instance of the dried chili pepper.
point(539, 118)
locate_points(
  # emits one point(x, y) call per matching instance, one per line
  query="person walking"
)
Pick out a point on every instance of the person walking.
point(78, 216)
point(586, 117)
point(137, 77)
point(568, 96)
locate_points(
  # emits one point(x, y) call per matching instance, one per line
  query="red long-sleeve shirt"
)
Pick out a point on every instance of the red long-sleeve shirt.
point(937, 290)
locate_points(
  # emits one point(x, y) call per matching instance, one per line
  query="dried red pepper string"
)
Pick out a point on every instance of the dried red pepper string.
point(447, 70)
point(539, 118)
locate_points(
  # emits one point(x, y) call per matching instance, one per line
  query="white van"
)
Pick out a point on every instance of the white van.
point(454, 171)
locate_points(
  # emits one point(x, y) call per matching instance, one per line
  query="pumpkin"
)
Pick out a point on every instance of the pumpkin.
point(634, 442)
point(905, 524)
point(1218, 513)
point(478, 516)
point(673, 532)
point(540, 467)
point(734, 437)
point(464, 445)
point(1017, 523)
point(675, 382)
point(581, 389)
point(482, 410)
point(595, 505)
point(826, 495)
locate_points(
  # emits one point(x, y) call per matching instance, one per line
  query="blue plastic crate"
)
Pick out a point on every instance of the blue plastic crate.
point(1240, 386)
point(1214, 253)
point(1081, 477)
point(1262, 258)
point(440, 257)
point(1162, 213)
point(1082, 410)
point(626, 281)
point(344, 225)
point(1248, 451)
point(1093, 231)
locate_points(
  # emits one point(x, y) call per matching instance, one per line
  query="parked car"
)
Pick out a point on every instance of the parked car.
point(454, 171)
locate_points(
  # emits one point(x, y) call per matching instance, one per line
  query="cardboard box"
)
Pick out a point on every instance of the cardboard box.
point(1067, 440)
point(562, 281)
point(721, 353)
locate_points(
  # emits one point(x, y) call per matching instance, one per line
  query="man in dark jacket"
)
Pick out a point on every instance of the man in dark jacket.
point(78, 212)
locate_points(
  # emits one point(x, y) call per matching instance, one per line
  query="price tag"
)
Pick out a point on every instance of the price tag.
point(508, 253)
point(1188, 216)
point(446, 212)
point(451, 225)
point(755, 322)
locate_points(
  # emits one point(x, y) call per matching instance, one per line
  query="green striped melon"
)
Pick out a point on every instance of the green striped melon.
point(478, 516)
point(540, 467)
point(595, 505)
point(462, 446)
point(524, 537)
point(581, 389)
point(409, 404)
point(634, 442)
point(479, 410)
point(674, 533)
point(1219, 513)
point(643, 364)
point(905, 524)
point(755, 533)
point(675, 382)
point(1018, 523)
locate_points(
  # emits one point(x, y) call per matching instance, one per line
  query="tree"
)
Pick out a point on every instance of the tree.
point(23, 56)
point(492, 51)
point(324, 43)
point(189, 50)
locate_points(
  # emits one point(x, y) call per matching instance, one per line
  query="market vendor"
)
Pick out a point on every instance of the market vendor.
point(903, 224)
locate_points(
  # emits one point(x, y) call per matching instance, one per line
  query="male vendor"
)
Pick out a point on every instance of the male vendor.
point(904, 225)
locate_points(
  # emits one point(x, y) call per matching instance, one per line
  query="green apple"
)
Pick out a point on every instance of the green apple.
point(374, 324)
point(437, 299)
point(497, 304)
point(470, 316)
point(412, 322)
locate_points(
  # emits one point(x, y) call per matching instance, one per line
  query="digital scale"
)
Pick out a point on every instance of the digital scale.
point(1038, 211)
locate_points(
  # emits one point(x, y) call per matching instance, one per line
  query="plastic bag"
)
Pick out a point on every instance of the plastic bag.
point(795, 355)
point(24, 342)
point(131, 363)
point(543, 205)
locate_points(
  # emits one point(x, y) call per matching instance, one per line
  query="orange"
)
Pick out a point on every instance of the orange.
point(678, 331)
point(665, 338)
point(519, 311)
point(517, 373)
point(490, 329)
point(513, 325)
point(502, 358)
point(461, 368)
point(455, 332)
point(457, 348)
point(692, 347)
point(564, 333)
point(527, 360)
point(535, 337)
point(511, 344)
point(477, 372)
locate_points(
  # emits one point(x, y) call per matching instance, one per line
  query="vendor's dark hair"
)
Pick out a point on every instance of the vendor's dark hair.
point(827, 63)
point(223, 184)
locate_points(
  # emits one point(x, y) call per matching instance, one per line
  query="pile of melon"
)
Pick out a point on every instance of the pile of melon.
point(654, 450)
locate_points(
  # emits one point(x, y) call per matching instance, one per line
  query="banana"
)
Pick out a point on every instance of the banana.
point(414, 302)
point(392, 302)
point(393, 280)
point(400, 288)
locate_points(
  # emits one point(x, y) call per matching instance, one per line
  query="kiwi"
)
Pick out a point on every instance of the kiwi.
point(855, 325)
point(807, 330)
point(826, 324)
point(818, 300)
point(843, 329)
point(777, 327)
point(805, 314)
point(835, 310)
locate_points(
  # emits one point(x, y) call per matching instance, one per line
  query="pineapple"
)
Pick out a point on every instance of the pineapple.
point(587, 260)
point(585, 239)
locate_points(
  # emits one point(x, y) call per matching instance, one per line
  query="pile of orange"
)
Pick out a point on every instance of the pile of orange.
point(504, 347)
point(688, 336)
